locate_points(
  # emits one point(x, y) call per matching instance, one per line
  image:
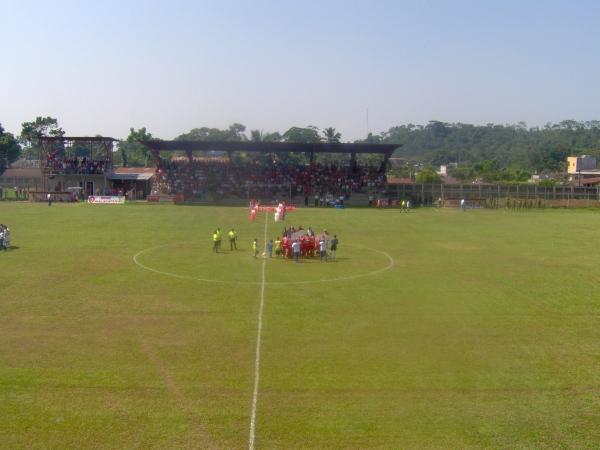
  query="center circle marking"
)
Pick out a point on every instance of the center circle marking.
point(388, 266)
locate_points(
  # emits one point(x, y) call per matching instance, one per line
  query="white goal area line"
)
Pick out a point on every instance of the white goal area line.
point(258, 342)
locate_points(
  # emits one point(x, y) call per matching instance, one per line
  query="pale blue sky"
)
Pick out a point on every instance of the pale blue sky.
point(102, 67)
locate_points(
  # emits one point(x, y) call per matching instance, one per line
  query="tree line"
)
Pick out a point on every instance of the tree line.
point(489, 152)
point(132, 153)
point(495, 152)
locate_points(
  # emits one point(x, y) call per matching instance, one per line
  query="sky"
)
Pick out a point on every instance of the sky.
point(170, 66)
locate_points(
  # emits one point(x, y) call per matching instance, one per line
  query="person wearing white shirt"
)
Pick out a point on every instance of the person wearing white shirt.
point(296, 251)
point(323, 249)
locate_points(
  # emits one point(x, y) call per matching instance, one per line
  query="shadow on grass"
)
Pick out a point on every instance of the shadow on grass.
point(312, 260)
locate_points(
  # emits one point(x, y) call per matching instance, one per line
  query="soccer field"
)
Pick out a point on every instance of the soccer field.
point(119, 328)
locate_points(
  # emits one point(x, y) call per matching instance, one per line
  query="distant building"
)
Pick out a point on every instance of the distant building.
point(398, 162)
point(590, 181)
point(135, 182)
point(580, 164)
point(21, 177)
point(391, 180)
point(581, 169)
point(444, 168)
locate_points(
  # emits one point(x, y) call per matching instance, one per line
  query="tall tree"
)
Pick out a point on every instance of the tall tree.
point(260, 136)
point(32, 131)
point(256, 135)
point(9, 149)
point(428, 176)
point(309, 134)
point(235, 132)
point(132, 151)
point(332, 136)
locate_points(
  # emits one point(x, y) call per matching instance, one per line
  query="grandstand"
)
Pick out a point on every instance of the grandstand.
point(227, 171)
point(81, 162)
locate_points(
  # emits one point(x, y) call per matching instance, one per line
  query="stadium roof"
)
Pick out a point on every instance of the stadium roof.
point(77, 138)
point(269, 147)
point(133, 173)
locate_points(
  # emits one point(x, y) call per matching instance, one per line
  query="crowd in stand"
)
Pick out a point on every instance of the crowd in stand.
point(260, 181)
point(75, 165)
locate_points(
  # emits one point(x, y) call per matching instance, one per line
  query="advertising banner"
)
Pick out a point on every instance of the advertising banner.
point(107, 200)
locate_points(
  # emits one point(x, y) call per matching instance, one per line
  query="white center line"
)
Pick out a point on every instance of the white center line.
point(258, 340)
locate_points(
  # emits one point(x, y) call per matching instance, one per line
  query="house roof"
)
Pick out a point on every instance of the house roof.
point(450, 180)
point(22, 172)
point(399, 180)
point(590, 181)
point(132, 173)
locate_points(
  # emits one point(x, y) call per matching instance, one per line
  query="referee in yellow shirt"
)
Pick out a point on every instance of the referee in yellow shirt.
point(232, 239)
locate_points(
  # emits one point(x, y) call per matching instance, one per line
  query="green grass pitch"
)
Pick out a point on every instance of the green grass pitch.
point(434, 329)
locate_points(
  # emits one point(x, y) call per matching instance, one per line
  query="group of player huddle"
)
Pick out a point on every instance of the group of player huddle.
point(295, 244)
point(300, 244)
point(4, 237)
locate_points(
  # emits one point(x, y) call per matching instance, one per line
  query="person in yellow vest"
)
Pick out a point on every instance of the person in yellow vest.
point(232, 239)
point(219, 236)
point(215, 238)
point(277, 246)
point(255, 247)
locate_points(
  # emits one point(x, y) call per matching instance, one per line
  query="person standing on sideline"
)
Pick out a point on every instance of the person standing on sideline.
point(255, 247)
point(49, 198)
point(323, 249)
point(463, 204)
point(270, 248)
point(296, 251)
point(333, 246)
point(232, 239)
point(407, 205)
point(316, 199)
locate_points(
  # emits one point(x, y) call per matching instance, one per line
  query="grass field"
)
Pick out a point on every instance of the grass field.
point(483, 333)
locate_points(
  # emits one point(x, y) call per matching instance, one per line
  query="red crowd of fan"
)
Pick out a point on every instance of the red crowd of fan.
point(258, 180)
point(67, 166)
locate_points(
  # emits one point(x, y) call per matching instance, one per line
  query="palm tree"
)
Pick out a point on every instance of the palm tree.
point(256, 136)
point(260, 136)
point(331, 136)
